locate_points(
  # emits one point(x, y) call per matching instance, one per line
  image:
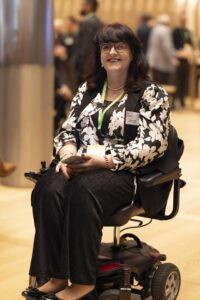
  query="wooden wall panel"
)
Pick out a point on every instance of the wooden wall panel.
point(104, 10)
point(130, 15)
point(148, 6)
point(127, 11)
point(75, 4)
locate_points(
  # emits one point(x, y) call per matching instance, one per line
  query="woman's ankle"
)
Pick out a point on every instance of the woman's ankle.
point(75, 291)
point(54, 285)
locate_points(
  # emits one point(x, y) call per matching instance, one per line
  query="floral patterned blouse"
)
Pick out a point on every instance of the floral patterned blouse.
point(152, 123)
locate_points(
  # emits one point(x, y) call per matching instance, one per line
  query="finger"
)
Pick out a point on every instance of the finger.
point(85, 156)
point(58, 167)
point(64, 171)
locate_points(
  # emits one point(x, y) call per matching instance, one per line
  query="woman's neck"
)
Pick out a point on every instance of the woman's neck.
point(116, 81)
point(114, 88)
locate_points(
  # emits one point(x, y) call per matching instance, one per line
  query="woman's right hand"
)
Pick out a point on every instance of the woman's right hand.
point(67, 151)
point(64, 169)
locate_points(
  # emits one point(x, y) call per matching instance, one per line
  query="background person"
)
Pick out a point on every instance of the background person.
point(70, 40)
point(144, 29)
point(161, 53)
point(60, 51)
point(88, 27)
point(119, 121)
point(62, 101)
point(182, 39)
point(63, 86)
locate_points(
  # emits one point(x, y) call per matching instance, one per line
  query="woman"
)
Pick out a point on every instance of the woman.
point(119, 121)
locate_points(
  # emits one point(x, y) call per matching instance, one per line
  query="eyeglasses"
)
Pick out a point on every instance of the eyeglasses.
point(119, 47)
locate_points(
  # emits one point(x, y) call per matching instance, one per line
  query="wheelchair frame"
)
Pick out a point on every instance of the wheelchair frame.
point(154, 278)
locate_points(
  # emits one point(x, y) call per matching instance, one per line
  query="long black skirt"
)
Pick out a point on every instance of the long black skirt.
point(68, 217)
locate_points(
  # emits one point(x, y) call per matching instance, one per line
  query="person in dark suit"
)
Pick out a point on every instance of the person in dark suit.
point(183, 43)
point(143, 30)
point(62, 101)
point(88, 27)
point(118, 123)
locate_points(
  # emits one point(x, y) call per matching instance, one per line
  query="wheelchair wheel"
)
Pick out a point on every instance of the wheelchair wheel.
point(166, 282)
point(111, 294)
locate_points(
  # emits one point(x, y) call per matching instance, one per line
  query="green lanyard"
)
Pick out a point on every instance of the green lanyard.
point(101, 111)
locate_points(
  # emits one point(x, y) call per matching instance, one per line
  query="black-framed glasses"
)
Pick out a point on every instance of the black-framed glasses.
point(119, 47)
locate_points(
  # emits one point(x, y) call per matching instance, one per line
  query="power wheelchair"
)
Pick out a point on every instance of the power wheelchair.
point(128, 267)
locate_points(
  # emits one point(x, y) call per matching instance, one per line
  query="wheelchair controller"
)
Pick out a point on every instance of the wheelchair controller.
point(33, 176)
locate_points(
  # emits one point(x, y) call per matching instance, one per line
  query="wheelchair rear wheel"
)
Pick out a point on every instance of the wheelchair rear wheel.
point(166, 282)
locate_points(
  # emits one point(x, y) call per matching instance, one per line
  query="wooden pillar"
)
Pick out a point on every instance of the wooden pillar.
point(26, 85)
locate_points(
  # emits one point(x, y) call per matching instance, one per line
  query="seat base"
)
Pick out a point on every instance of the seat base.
point(139, 261)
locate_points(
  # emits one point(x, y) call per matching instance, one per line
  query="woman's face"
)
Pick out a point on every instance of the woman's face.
point(115, 56)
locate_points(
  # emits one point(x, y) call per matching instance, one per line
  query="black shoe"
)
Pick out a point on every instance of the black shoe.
point(50, 297)
point(32, 293)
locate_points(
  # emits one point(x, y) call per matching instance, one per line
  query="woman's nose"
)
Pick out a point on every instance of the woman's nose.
point(113, 50)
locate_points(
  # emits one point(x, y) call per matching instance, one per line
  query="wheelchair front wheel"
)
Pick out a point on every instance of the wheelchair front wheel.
point(166, 282)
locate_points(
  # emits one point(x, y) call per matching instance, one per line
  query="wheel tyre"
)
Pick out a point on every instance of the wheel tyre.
point(166, 282)
point(111, 294)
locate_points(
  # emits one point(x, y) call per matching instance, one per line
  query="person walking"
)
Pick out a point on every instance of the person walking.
point(87, 30)
point(161, 53)
point(182, 39)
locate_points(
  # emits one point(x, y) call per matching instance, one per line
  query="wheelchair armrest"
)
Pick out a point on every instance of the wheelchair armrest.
point(156, 178)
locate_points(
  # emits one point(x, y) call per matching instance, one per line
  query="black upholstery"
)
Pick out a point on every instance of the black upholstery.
point(122, 216)
point(156, 178)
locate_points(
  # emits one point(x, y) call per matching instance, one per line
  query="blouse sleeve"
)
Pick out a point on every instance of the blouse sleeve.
point(151, 140)
point(68, 130)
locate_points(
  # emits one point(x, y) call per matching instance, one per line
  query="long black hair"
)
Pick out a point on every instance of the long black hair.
point(95, 75)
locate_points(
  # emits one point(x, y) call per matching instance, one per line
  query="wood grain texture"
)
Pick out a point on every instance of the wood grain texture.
point(126, 11)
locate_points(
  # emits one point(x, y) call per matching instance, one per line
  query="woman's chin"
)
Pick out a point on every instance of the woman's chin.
point(114, 68)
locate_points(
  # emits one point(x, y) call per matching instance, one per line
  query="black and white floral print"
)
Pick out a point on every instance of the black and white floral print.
point(152, 131)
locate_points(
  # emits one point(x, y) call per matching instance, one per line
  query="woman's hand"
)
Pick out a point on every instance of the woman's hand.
point(91, 162)
point(67, 150)
point(64, 169)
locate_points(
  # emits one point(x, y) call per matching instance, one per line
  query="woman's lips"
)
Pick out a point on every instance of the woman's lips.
point(113, 59)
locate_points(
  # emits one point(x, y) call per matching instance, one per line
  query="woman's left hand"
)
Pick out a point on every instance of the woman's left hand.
point(90, 162)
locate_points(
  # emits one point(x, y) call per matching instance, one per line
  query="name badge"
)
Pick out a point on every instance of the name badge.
point(132, 118)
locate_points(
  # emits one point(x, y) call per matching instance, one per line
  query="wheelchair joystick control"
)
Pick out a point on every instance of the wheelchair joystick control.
point(43, 164)
point(43, 168)
point(125, 289)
